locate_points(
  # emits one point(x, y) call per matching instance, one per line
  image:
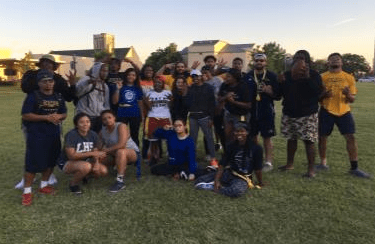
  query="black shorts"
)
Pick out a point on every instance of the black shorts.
point(345, 123)
point(264, 125)
point(42, 152)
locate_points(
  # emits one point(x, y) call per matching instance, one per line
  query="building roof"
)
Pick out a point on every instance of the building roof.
point(184, 51)
point(236, 48)
point(89, 53)
point(206, 42)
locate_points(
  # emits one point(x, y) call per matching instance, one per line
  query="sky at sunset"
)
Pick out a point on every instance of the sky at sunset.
point(321, 27)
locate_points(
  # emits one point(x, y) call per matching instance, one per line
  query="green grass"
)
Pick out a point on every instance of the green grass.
point(332, 208)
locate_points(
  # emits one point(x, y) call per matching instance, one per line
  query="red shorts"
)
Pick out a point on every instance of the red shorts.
point(151, 124)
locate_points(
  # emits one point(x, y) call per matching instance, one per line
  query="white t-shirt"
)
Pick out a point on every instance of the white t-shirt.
point(159, 103)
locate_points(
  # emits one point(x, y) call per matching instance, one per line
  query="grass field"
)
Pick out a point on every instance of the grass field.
point(332, 208)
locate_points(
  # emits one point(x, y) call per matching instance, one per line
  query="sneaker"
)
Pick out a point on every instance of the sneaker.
point(48, 190)
point(359, 173)
point(52, 180)
point(75, 189)
point(322, 167)
point(205, 186)
point(117, 187)
point(183, 175)
point(218, 146)
point(27, 199)
point(214, 163)
point(20, 184)
point(267, 167)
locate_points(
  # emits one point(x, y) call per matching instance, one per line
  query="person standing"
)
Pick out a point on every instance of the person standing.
point(42, 113)
point(200, 100)
point(93, 95)
point(335, 109)
point(265, 91)
point(301, 90)
point(129, 98)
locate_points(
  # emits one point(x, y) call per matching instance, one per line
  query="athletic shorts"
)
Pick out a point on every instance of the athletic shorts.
point(61, 162)
point(42, 152)
point(153, 123)
point(265, 126)
point(345, 123)
point(304, 128)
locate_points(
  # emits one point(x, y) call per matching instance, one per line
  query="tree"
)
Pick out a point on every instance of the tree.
point(163, 56)
point(320, 65)
point(275, 56)
point(355, 64)
point(25, 63)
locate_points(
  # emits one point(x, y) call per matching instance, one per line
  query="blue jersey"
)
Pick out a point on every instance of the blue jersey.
point(180, 151)
point(128, 101)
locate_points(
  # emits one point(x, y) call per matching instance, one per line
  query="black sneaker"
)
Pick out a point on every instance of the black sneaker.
point(117, 187)
point(76, 190)
point(359, 173)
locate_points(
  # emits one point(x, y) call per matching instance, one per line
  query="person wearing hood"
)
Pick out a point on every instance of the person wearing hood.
point(93, 95)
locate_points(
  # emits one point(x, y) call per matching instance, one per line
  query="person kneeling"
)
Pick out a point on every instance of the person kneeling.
point(120, 148)
point(234, 174)
point(181, 151)
point(81, 156)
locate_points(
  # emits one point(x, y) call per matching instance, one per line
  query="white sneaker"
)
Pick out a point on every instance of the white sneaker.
point(52, 180)
point(20, 184)
point(267, 167)
point(205, 186)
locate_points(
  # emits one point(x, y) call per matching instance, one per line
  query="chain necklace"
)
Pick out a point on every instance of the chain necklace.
point(258, 98)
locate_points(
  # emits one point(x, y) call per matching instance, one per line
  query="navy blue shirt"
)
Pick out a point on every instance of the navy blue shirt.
point(80, 143)
point(128, 101)
point(243, 159)
point(41, 104)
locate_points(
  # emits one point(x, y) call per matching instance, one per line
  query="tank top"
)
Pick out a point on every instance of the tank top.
point(111, 138)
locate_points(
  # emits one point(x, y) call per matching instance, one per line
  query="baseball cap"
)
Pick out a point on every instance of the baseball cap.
point(44, 74)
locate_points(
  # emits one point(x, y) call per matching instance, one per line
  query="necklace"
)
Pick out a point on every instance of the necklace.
point(259, 87)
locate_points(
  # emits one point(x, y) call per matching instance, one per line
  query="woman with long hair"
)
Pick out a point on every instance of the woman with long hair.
point(129, 98)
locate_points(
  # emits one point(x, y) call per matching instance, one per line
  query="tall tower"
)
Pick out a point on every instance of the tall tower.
point(104, 42)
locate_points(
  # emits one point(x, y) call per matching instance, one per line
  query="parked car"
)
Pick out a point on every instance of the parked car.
point(367, 79)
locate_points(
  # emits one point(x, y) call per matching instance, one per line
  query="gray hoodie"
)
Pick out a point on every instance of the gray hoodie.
point(94, 102)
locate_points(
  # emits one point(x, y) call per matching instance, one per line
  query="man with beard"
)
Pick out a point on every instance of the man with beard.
point(266, 88)
point(335, 109)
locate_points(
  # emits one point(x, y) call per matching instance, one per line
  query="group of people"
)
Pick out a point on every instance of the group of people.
point(229, 106)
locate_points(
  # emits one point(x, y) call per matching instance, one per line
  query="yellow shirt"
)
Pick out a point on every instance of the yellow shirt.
point(336, 82)
point(169, 81)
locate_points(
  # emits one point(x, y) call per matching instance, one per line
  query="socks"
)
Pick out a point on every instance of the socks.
point(120, 178)
point(27, 190)
point(43, 184)
point(354, 165)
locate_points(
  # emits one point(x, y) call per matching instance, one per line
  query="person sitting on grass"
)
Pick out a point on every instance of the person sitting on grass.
point(242, 158)
point(120, 148)
point(181, 151)
point(42, 113)
point(80, 156)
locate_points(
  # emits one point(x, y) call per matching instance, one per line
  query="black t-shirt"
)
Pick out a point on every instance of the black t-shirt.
point(243, 159)
point(30, 84)
point(111, 81)
point(301, 97)
point(242, 94)
point(265, 106)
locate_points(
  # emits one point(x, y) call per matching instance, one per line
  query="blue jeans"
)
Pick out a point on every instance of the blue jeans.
point(204, 124)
